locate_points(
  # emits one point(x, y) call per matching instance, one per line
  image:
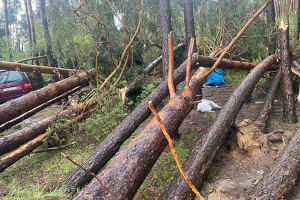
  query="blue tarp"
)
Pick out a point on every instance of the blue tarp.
point(216, 77)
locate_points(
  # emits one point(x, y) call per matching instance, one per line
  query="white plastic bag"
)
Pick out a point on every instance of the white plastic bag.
point(207, 106)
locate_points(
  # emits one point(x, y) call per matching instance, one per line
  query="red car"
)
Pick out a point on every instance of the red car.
point(13, 84)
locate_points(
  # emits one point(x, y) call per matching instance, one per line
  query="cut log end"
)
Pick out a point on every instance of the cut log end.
point(283, 25)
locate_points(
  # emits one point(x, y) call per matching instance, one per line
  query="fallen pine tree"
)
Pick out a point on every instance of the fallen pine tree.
point(15, 66)
point(12, 157)
point(205, 149)
point(14, 140)
point(16, 107)
point(29, 59)
point(110, 146)
point(282, 174)
point(35, 110)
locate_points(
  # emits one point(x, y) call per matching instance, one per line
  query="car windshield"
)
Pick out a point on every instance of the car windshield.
point(10, 76)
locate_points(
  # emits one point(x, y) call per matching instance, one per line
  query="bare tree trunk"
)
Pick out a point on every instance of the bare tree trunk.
point(205, 149)
point(289, 113)
point(297, 20)
point(7, 32)
point(165, 15)
point(48, 48)
point(189, 23)
point(270, 10)
point(281, 175)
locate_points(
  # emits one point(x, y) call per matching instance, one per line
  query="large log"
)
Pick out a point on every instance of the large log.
point(158, 60)
point(281, 175)
point(110, 146)
point(9, 159)
point(14, 140)
point(16, 107)
point(206, 147)
point(266, 108)
point(124, 175)
point(33, 58)
point(14, 66)
point(289, 112)
point(35, 110)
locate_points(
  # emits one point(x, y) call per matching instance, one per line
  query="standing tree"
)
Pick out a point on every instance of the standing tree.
point(189, 22)
point(7, 33)
point(28, 23)
point(165, 15)
point(270, 11)
point(48, 48)
point(297, 19)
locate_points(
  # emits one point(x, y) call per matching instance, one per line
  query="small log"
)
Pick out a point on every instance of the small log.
point(22, 151)
point(266, 108)
point(16, 107)
point(33, 58)
point(158, 60)
point(14, 66)
point(281, 175)
point(14, 140)
point(35, 110)
point(205, 149)
point(289, 113)
point(55, 148)
point(110, 146)
point(124, 175)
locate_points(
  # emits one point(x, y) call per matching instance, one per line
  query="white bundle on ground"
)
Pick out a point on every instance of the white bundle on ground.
point(207, 106)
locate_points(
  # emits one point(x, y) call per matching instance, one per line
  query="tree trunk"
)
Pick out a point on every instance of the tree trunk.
point(16, 107)
point(289, 113)
point(28, 24)
point(189, 23)
point(35, 110)
point(13, 66)
point(26, 134)
point(206, 147)
point(297, 20)
point(124, 175)
point(48, 48)
point(28, 59)
point(110, 146)
point(165, 16)
point(158, 60)
point(266, 108)
point(270, 10)
point(281, 175)
point(7, 32)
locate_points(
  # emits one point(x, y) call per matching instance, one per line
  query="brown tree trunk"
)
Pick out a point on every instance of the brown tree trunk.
point(33, 58)
point(158, 60)
point(110, 146)
point(206, 147)
point(297, 20)
point(166, 28)
point(124, 175)
point(266, 108)
point(289, 113)
point(14, 140)
point(35, 110)
point(16, 107)
point(189, 23)
point(48, 47)
point(281, 175)
point(28, 23)
point(270, 11)
point(14, 66)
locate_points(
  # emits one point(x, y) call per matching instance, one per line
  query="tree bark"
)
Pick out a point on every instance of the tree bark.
point(35, 110)
point(281, 175)
point(189, 23)
point(297, 20)
point(14, 140)
point(14, 66)
point(289, 113)
point(28, 59)
point(124, 175)
point(7, 32)
point(206, 147)
point(16, 107)
point(166, 28)
point(270, 11)
point(266, 108)
point(110, 146)
point(158, 60)
point(48, 47)
point(28, 23)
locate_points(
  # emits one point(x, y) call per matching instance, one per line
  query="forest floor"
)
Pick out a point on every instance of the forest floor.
point(233, 172)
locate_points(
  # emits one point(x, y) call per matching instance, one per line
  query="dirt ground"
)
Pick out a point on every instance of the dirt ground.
point(234, 173)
